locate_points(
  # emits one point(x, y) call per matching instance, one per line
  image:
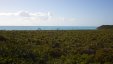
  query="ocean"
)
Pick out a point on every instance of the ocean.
point(48, 27)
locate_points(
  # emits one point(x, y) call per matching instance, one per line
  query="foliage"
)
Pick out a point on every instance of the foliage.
point(56, 47)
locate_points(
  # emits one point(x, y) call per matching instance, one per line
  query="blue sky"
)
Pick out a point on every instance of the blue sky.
point(56, 12)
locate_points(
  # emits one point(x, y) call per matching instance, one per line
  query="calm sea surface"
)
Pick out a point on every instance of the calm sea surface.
point(48, 28)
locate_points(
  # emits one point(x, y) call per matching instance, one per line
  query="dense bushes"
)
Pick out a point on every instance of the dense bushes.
point(56, 47)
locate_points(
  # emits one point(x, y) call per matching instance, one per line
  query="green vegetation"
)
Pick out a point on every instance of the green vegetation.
point(56, 47)
point(106, 27)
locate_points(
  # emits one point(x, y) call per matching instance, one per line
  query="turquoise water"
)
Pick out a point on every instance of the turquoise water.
point(48, 28)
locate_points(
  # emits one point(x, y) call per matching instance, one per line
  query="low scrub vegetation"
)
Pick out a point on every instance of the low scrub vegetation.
point(56, 47)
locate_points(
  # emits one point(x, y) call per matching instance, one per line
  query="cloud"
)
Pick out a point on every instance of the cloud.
point(6, 14)
point(25, 14)
point(25, 18)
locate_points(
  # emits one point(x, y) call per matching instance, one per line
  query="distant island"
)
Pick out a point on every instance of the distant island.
point(105, 27)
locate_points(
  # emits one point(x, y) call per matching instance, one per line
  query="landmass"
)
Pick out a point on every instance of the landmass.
point(56, 47)
point(105, 27)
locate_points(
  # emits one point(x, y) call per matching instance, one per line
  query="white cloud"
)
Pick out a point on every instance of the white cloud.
point(25, 18)
point(6, 14)
point(25, 14)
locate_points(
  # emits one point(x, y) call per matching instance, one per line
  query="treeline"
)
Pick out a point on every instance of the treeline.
point(56, 47)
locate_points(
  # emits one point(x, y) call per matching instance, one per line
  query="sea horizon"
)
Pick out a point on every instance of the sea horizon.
point(48, 27)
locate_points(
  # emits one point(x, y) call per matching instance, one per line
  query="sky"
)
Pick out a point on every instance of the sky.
point(56, 12)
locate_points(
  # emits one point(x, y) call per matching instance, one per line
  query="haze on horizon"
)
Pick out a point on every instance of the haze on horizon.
point(56, 12)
